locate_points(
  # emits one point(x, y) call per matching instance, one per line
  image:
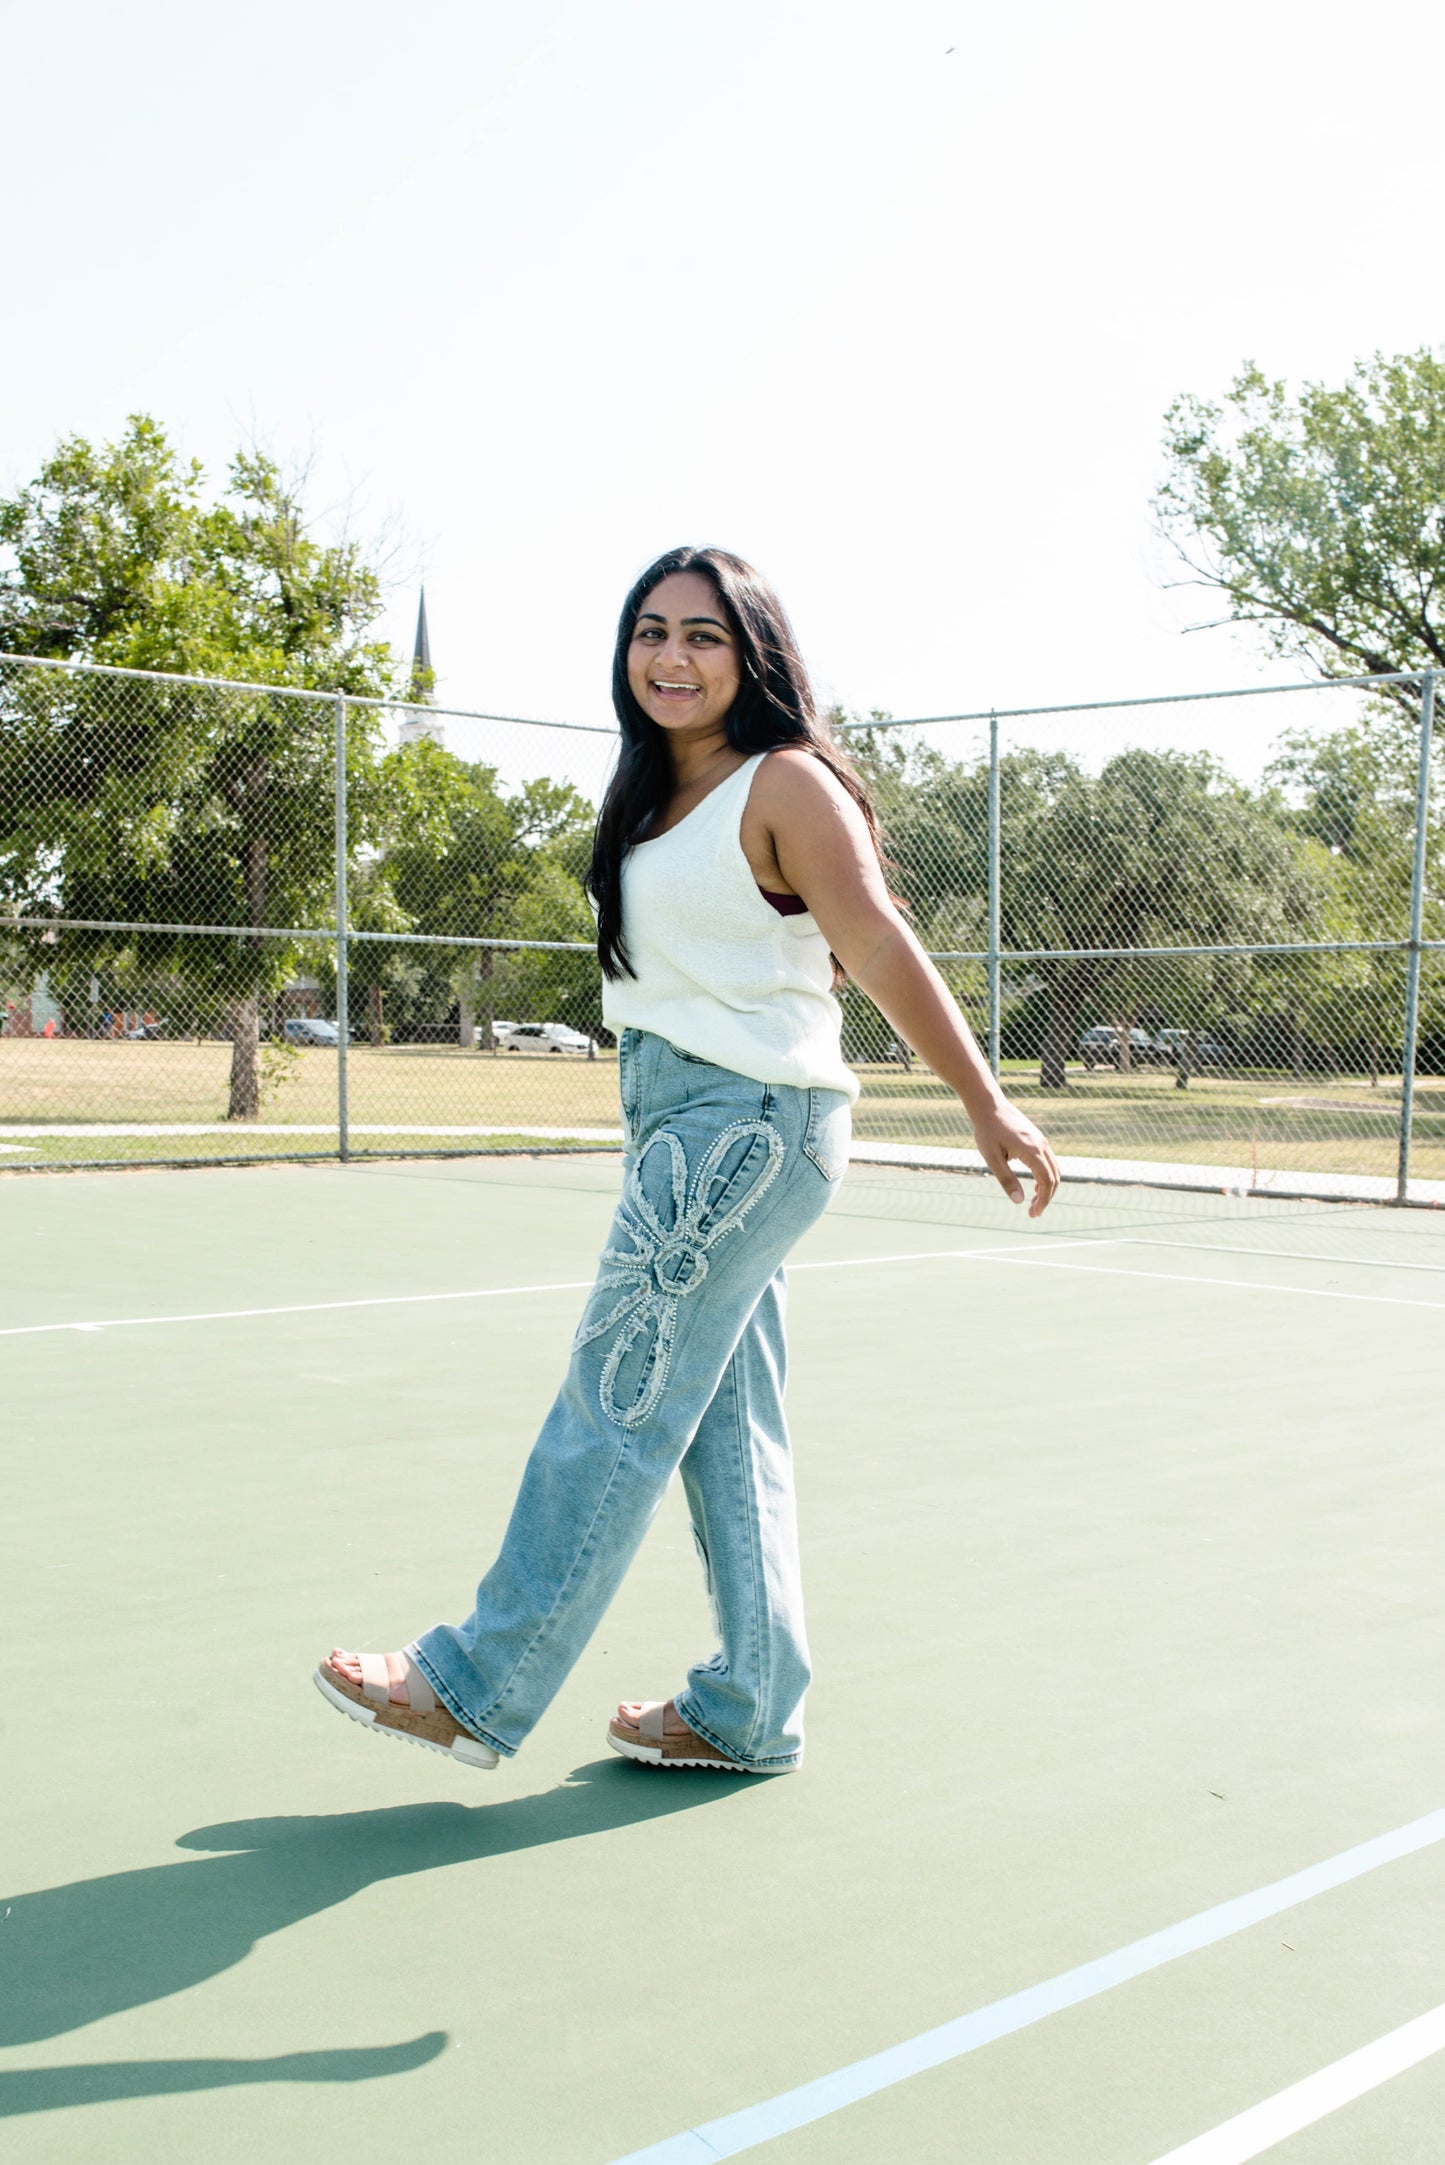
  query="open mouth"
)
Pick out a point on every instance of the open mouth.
point(665, 690)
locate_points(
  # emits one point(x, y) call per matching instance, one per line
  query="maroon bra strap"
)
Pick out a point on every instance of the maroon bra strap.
point(785, 905)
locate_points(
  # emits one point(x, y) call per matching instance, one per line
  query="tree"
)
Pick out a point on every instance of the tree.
point(1356, 793)
point(158, 802)
point(1161, 849)
point(464, 857)
point(933, 813)
point(1322, 518)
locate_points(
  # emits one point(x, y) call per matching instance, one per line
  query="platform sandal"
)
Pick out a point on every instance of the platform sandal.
point(419, 1719)
point(651, 1748)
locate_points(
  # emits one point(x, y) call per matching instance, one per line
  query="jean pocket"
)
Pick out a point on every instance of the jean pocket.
point(690, 1059)
point(830, 1131)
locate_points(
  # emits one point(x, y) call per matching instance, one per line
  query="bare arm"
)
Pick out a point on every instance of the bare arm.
point(821, 843)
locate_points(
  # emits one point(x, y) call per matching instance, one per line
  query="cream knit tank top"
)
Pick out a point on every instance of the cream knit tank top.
point(719, 972)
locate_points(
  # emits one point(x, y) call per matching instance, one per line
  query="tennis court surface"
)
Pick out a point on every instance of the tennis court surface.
point(1122, 1832)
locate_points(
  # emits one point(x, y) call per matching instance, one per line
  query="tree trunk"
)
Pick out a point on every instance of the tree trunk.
point(487, 1041)
point(1372, 1059)
point(245, 1058)
point(1125, 1057)
point(245, 1016)
point(467, 1007)
point(1296, 1047)
point(1186, 1061)
point(1066, 999)
point(374, 1017)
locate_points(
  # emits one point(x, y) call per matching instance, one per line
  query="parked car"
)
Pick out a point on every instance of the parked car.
point(1207, 1052)
point(313, 1030)
point(1102, 1046)
point(542, 1037)
point(500, 1031)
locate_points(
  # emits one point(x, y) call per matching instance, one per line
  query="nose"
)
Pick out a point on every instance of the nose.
point(674, 654)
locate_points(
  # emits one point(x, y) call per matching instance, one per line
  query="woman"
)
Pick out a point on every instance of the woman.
point(736, 855)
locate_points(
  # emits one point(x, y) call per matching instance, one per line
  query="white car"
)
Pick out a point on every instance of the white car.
point(542, 1037)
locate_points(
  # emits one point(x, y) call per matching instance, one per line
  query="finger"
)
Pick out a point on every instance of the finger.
point(1047, 1176)
point(1046, 1181)
point(997, 1160)
point(1036, 1158)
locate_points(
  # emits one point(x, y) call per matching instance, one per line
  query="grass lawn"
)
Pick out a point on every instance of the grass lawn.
point(1324, 1124)
point(1268, 1119)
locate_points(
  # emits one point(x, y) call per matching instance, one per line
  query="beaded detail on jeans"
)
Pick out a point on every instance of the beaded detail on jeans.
point(668, 1238)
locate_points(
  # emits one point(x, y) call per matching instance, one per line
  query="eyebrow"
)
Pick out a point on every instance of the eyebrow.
point(652, 616)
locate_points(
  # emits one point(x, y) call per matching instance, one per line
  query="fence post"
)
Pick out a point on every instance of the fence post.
point(1417, 930)
point(343, 999)
point(994, 1001)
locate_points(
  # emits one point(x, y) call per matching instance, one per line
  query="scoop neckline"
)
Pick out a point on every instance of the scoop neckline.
point(648, 840)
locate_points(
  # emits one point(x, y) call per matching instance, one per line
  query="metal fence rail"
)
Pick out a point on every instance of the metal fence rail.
point(238, 920)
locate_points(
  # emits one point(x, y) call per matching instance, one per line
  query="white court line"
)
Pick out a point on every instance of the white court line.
point(1251, 2133)
point(955, 1255)
point(1275, 1255)
point(475, 1293)
point(755, 2125)
point(1011, 1254)
point(295, 1308)
point(1237, 1285)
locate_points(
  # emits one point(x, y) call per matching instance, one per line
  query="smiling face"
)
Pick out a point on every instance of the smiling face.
point(682, 663)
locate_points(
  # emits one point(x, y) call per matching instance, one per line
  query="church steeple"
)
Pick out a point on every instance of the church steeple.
point(415, 726)
point(421, 671)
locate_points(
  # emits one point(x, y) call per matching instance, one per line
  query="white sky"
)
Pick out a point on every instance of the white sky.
point(555, 284)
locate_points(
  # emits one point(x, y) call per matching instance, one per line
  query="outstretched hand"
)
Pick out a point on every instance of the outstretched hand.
point(1003, 1132)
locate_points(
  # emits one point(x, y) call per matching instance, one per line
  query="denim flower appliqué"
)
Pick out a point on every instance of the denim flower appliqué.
point(667, 1251)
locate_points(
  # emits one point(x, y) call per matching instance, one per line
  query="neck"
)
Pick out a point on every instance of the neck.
point(695, 758)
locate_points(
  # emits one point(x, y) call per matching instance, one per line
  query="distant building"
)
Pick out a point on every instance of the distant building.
point(416, 726)
point(36, 1014)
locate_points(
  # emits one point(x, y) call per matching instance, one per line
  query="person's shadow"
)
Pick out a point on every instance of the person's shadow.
point(69, 1955)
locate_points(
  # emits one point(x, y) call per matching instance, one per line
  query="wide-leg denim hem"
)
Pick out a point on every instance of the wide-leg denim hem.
point(754, 1766)
point(468, 1721)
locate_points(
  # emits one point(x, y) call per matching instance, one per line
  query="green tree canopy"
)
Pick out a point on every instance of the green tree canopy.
point(1353, 794)
point(1321, 517)
point(165, 803)
point(1160, 849)
point(461, 854)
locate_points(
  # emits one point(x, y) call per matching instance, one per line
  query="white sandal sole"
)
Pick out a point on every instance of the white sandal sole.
point(466, 1752)
point(651, 1755)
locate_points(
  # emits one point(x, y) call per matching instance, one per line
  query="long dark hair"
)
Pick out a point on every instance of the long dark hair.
point(774, 705)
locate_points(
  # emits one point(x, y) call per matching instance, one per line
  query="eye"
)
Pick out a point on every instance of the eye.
point(706, 638)
point(648, 631)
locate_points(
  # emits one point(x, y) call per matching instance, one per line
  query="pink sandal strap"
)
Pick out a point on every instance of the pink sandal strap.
point(377, 1685)
point(375, 1679)
point(649, 1721)
point(419, 1695)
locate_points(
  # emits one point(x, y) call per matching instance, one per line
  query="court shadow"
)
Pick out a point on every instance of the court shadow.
point(73, 1954)
point(47, 2089)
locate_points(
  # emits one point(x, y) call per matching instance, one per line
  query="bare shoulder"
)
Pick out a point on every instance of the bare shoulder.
point(793, 781)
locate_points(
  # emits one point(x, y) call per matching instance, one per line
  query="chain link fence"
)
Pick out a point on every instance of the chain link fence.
point(1186, 979)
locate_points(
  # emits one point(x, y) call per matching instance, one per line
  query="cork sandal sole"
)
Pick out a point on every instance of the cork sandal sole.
point(650, 1747)
point(430, 1726)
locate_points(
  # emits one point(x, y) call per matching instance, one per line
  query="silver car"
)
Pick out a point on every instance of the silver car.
point(542, 1037)
point(313, 1030)
point(1102, 1046)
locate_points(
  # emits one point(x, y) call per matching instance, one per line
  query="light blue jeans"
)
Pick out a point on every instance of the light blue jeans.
point(679, 1361)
